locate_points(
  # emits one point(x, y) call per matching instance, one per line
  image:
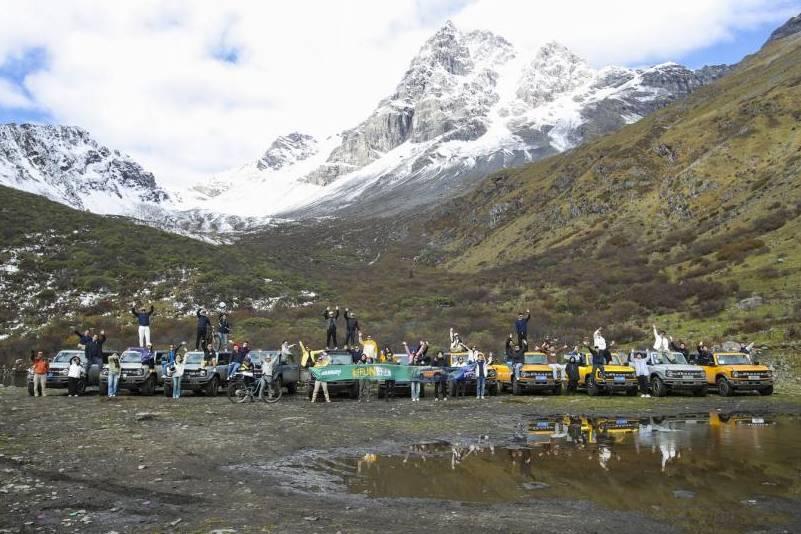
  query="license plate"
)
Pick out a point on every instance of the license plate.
point(753, 377)
point(620, 379)
point(622, 421)
point(542, 425)
point(758, 421)
point(541, 378)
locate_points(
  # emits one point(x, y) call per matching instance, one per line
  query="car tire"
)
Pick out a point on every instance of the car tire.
point(167, 391)
point(30, 389)
point(494, 390)
point(149, 386)
point(292, 388)
point(557, 389)
point(766, 391)
point(658, 387)
point(103, 389)
point(81, 387)
point(699, 392)
point(724, 387)
point(354, 391)
point(631, 392)
point(213, 387)
point(516, 389)
point(592, 387)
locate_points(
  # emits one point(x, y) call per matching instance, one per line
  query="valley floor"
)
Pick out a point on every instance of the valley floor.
point(150, 464)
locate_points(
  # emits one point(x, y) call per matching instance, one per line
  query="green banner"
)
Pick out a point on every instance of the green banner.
point(399, 373)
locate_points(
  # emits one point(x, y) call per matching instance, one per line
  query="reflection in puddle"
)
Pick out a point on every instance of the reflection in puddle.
point(717, 472)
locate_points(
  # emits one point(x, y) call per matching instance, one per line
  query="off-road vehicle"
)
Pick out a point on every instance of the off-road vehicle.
point(460, 359)
point(535, 375)
point(200, 376)
point(669, 372)
point(59, 365)
point(286, 372)
point(730, 372)
point(351, 387)
point(135, 376)
point(617, 376)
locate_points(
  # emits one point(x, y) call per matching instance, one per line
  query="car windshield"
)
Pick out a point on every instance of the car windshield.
point(341, 359)
point(402, 359)
point(194, 357)
point(256, 356)
point(66, 355)
point(130, 357)
point(536, 358)
point(619, 359)
point(733, 359)
point(675, 358)
point(458, 360)
point(580, 359)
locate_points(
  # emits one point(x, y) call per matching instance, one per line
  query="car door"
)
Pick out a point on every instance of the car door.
point(290, 368)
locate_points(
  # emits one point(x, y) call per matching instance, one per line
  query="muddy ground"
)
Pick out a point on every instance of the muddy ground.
point(150, 464)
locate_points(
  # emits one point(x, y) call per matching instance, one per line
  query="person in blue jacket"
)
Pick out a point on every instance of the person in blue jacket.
point(143, 318)
point(521, 327)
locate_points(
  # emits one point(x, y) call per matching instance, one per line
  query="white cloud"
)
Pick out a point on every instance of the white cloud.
point(147, 77)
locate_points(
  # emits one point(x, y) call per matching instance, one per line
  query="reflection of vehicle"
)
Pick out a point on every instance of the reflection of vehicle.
point(616, 377)
point(460, 359)
point(669, 372)
point(351, 387)
point(729, 372)
point(286, 372)
point(535, 375)
point(744, 419)
point(543, 430)
point(199, 376)
point(135, 376)
point(59, 365)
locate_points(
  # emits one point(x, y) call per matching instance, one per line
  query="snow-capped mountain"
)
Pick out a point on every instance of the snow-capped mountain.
point(65, 164)
point(468, 104)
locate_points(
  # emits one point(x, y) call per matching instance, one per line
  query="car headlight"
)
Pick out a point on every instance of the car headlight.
point(104, 372)
point(671, 373)
point(202, 372)
point(140, 372)
point(737, 374)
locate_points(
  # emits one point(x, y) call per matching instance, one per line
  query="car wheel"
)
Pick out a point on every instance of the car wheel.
point(658, 387)
point(81, 387)
point(149, 386)
point(354, 391)
point(631, 392)
point(167, 390)
point(103, 388)
point(766, 391)
point(292, 388)
point(516, 389)
point(494, 390)
point(592, 387)
point(699, 392)
point(724, 387)
point(30, 389)
point(213, 387)
point(557, 389)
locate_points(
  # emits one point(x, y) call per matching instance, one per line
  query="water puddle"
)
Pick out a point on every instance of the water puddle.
point(720, 472)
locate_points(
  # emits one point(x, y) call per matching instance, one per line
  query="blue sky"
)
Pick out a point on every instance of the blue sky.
point(192, 88)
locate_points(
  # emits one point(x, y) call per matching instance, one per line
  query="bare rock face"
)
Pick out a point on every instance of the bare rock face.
point(287, 150)
point(791, 27)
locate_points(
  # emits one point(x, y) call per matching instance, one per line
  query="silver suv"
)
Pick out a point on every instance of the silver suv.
point(136, 376)
point(200, 376)
point(669, 372)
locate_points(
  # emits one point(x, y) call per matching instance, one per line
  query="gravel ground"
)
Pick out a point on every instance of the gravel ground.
point(150, 464)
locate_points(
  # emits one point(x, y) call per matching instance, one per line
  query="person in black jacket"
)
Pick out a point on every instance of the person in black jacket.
point(203, 324)
point(143, 318)
point(223, 329)
point(441, 385)
point(352, 325)
point(94, 355)
point(572, 372)
point(331, 327)
point(680, 347)
point(521, 327)
point(600, 357)
point(85, 339)
point(516, 355)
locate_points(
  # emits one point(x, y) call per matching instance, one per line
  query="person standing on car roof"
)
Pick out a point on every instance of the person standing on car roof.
point(114, 372)
point(515, 355)
point(223, 329)
point(331, 327)
point(661, 341)
point(40, 368)
point(457, 345)
point(74, 376)
point(143, 318)
point(521, 327)
point(352, 326)
point(203, 324)
point(95, 354)
point(286, 349)
point(600, 357)
point(85, 339)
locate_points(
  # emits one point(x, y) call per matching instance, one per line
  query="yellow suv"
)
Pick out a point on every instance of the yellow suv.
point(617, 375)
point(730, 372)
point(535, 375)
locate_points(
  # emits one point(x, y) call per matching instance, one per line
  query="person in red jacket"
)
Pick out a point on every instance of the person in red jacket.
point(40, 368)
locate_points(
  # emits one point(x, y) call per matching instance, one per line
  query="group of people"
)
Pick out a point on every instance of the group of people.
point(205, 329)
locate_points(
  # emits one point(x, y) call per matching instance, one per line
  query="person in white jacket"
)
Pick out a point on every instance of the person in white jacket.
point(177, 376)
point(640, 363)
point(661, 340)
point(74, 376)
point(598, 340)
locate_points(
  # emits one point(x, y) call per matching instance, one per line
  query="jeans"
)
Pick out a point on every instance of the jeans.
point(39, 382)
point(415, 390)
point(223, 340)
point(176, 387)
point(481, 386)
point(350, 338)
point(113, 382)
point(317, 385)
point(331, 338)
point(441, 387)
point(144, 336)
point(232, 368)
point(642, 380)
point(72, 386)
point(200, 339)
point(522, 339)
point(517, 368)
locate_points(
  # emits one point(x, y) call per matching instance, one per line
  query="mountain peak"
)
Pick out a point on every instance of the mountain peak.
point(286, 150)
point(791, 27)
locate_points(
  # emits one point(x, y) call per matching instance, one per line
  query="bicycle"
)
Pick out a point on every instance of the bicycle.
point(239, 390)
